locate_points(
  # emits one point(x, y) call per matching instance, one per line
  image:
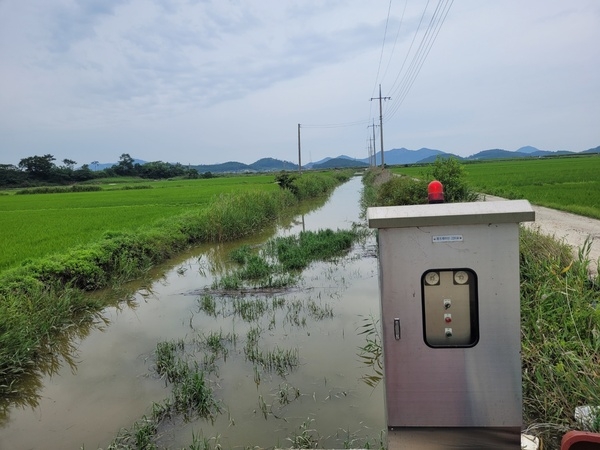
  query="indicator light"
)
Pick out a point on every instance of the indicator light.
point(435, 192)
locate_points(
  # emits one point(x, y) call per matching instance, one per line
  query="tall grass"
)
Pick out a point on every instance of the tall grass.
point(560, 335)
point(408, 190)
point(58, 189)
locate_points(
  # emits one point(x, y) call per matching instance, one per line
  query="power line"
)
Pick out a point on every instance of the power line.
point(410, 48)
point(405, 58)
point(382, 46)
point(437, 20)
point(338, 125)
point(395, 41)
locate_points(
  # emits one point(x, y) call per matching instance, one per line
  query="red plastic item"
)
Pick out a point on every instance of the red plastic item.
point(580, 440)
point(435, 192)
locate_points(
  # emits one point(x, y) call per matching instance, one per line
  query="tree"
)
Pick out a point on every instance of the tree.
point(38, 166)
point(11, 175)
point(125, 165)
point(69, 163)
point(83, 173)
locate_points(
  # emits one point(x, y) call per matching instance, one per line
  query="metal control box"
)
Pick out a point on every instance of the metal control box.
point(450, 314)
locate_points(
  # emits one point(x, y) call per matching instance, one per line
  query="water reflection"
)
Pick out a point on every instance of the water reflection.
point(24, 392)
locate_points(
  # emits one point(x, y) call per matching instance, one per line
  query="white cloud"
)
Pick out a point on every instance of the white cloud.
point(209, 80)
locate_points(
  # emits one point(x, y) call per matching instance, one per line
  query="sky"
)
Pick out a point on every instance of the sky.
point(211, 81)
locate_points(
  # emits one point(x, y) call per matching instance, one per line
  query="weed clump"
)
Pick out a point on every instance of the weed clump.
point(383, 189)
point(560, 329)
point(277, 264)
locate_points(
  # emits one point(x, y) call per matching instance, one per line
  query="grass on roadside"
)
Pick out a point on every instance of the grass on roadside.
point(560, 314)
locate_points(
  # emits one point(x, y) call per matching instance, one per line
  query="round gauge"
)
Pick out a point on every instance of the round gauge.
point(432, 278)
point(461, 277)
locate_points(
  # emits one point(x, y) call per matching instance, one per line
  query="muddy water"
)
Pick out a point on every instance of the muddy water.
point(113, 382)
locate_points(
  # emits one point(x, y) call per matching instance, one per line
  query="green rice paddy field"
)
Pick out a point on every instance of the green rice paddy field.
point(37, 225)
point(566, 183)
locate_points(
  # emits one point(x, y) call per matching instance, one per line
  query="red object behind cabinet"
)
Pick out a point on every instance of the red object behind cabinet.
point(580, 440)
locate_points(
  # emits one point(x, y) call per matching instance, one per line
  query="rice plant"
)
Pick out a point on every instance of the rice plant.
point(286, 394)
point(305, 437)
point(208, 305)
point(370, 354)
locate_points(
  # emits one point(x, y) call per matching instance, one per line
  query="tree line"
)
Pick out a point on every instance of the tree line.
point(36, 170)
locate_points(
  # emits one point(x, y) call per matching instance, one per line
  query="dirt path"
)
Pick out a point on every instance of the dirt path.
point(570, 228)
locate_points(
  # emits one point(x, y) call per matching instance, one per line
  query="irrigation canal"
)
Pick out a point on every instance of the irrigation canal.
point(107, 380)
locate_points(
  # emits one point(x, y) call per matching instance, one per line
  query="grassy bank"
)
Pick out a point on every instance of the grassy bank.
point(42, 297)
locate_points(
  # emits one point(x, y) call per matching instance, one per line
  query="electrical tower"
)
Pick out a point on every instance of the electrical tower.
point(381, 120)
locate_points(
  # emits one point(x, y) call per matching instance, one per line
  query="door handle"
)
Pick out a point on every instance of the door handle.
point(397, 328)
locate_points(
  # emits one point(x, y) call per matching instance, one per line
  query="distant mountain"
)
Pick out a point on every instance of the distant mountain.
point(262, 165)
point(271, 164)
point(431, 159)
point(321, 161)
point(497, 153)
point(230, 166)
point(404, 156)
point(340, 163)
point(536, 152)
point(542, 153)
point(523, 152)
point(396, 156)
point(101, 166)
point(592, 150)
point(527, 149)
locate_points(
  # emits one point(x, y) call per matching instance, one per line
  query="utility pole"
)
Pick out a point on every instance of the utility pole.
point(299, 152)
point(381, 120)
point(374, 145)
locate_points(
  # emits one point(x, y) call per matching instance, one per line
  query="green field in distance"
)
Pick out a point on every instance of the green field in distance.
point(567, 183)
point(36, 225)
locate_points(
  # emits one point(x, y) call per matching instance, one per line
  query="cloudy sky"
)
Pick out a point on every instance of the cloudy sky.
point(210, 81)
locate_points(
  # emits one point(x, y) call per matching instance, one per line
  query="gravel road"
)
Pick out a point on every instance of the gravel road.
point(570, 228)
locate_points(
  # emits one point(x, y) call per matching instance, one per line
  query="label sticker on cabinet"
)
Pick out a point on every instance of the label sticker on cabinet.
point(448, 238)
